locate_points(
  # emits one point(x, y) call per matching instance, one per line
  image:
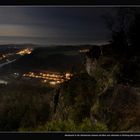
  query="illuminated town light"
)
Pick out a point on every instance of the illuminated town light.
point(25, 51)
point(51, 78)
point(3, 56)
point(52, 83)
point(58, 82)
point(44, 81)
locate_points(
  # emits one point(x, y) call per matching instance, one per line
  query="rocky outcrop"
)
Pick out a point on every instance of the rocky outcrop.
point(118, 107)
point(91, 65)
point(100, 95)
point(92, 57)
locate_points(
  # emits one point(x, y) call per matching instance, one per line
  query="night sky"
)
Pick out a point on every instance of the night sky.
point(53, 25)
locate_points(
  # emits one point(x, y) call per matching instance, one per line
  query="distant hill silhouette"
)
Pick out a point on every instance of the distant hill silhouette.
point(55, 62)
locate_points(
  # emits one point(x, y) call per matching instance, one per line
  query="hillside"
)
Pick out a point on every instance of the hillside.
point(105, 98)
point(55, 62)
point(52, 59)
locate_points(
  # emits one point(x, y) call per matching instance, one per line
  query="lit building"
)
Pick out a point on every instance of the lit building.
point(50, 77)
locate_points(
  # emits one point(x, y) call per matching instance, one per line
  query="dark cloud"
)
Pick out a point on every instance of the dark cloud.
point(54, 24)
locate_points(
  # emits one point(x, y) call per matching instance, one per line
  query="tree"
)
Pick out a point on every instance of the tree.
point(119, 24)
point(134, 34)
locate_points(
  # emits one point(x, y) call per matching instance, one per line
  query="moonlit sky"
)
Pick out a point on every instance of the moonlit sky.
point(53, 25)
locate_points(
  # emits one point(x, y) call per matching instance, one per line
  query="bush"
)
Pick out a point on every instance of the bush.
point(81, 108)
point(22, 109)
point(87, 125)
point(69, 125)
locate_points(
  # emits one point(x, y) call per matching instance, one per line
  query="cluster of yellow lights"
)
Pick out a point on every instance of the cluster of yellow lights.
point(25, 51)
point(3, 56)
point(51, 78)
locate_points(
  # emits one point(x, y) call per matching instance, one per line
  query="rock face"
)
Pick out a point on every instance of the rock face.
point(91, 59)
point(90, 65)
